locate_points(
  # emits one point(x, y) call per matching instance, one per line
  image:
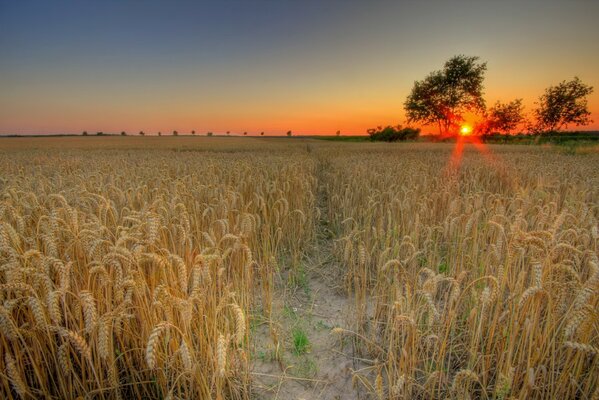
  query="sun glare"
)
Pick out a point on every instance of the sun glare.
point(465, 130)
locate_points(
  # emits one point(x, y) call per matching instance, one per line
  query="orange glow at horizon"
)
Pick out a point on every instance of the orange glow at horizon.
point(313, 110)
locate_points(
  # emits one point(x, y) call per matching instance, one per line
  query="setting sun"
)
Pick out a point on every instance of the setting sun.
point(465, 130)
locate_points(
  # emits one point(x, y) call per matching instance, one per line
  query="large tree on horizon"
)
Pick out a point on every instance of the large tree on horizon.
point(444, 96)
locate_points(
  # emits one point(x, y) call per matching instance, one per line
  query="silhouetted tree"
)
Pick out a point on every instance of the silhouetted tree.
point(228, 133)
point(193, 132)
point(175, 133)
point(503, 117)
point(99, 133)
point(338, 133)
point(123, 133)
point(159, 133)
point(563, 105)
point(245, 133)
point(261, 133)
point(84, 133)
point(288, 133)
point(209, 134)
point(142, 133)
point(444, 96)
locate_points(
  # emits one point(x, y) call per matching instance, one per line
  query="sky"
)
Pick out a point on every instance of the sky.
point(313, 67)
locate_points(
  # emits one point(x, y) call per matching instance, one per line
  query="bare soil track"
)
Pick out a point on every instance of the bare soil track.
point(316, 305)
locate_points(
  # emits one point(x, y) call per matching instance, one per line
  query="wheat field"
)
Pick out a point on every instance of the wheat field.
point(162, 268)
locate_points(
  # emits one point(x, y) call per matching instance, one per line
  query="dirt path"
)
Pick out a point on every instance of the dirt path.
point(310, 307)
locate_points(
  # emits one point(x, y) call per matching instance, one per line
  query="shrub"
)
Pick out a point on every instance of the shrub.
point(393, 133)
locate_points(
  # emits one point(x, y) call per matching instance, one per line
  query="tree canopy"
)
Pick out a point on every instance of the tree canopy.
point(562, 105)
point(504, 117)
point(444, 96)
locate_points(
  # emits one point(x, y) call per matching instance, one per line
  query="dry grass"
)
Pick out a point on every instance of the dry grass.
point(129, 266)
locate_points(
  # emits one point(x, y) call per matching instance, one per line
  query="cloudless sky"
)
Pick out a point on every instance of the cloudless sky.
point(307, 66)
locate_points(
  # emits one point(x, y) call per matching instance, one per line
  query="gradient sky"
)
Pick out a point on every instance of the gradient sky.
point(309, 66)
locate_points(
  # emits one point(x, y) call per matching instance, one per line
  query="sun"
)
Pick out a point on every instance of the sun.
point(465, 130)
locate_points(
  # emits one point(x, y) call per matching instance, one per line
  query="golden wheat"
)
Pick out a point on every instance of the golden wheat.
point(132, 271)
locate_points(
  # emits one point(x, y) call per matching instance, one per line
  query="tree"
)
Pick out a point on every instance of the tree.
point(123, 133)
point(563, 105)
point(504, 117)
point(262, 133)
point(99, 133)
point(444, 96)
point(84, 133)
point(338, 133)
point(142, 133)
point(228, 133)
point(289, 133)
point(193, 132)
point(175, 133)
point(209, 134)
point(245, 133)
point(159, 133)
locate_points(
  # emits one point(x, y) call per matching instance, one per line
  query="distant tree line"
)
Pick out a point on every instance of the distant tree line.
point(176, 133)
